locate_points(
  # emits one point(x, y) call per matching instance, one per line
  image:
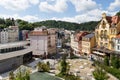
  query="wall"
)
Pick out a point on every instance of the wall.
point(10, 63)
point(39, 44)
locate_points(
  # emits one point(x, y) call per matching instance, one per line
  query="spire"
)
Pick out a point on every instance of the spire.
point(103, 15)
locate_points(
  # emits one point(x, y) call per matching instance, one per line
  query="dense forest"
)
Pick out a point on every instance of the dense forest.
point(88, 26)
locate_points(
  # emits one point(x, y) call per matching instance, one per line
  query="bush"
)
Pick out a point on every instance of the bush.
point(43, 67)
point(99, 74)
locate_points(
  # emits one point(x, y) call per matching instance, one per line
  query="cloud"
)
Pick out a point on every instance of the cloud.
point(29, 18)
point(17, 4)
point(85, 17)
point(34, 1)
point(114, 5)
point(59, 6)
point(84, 5)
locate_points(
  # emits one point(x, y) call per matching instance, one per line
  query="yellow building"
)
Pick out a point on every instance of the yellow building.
point(88, 42)
point(106, 30)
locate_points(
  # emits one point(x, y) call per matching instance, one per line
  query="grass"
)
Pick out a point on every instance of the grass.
point(43, 76)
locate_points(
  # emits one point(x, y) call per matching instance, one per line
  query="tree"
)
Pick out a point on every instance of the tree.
point(64, 66)
point(106, 61)
point(39, 66)
point(115, 62)
point(118, 13)
point(99, 74)
point(43, 67)
point(11, 75)
point(8, 22)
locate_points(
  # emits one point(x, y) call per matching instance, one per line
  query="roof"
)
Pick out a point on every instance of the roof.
point(80, 35)
point(43, 76)
point(13, 44)
point(38, 33)
point(89, 35)
point(14, 54)
point(103, 49)
point(118, 36)
point(109, 19)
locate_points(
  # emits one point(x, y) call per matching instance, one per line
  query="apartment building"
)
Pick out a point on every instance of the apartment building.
point(88, 42)
point(76, 42)
point(4, 35)
point(10, 34)
point(13, 33)
point(43, 41)
point(105, 32)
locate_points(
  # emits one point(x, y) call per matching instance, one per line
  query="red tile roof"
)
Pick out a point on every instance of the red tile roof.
point(38, 33)
point(118, 36)
point(79, 35)
point(109, 19)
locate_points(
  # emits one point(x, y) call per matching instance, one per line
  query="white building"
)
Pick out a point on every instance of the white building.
point(116, 42)
point(43, 41)
point(10, 34)
point(4, 36)
point(13, 33)
point(74, 44)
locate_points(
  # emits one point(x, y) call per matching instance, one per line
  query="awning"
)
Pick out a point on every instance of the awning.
point(95, 52)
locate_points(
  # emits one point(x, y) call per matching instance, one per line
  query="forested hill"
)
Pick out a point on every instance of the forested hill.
point(67, 25)
point(89, 26)
point(49, 23)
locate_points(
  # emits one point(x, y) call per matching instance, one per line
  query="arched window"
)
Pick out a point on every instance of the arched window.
point(101, 44)
point(105, 35)
point(114, 31)
point(112, 43)
point(97, 35)
point(103, 24)
point(101, 34)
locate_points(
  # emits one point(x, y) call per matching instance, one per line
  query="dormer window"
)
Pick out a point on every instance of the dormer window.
point(103, 24)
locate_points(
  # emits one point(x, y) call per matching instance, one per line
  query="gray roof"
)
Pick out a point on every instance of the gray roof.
point(89, 35)
point(13, 44)
point(14, 54)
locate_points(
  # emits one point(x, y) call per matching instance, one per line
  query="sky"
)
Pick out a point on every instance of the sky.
point(77, 11)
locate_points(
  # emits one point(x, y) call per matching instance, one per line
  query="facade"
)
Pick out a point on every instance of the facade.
point(105, 32)
point(12, 55)
point(43, 41)
point(13, 33)
point(25, 34)
point(10, 34)
point(76, 42)
point(88, 42)
point(4, 35)
point(116, 42)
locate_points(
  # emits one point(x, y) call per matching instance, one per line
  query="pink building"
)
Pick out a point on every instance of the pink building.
point(43, 41)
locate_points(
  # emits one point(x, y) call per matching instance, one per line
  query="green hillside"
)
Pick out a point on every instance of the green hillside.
point(49, 23)
point(88, 26)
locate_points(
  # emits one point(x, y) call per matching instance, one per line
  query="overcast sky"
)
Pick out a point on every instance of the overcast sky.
point(66, 10)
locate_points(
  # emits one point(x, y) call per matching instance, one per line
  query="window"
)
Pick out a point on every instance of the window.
point(118, 47)
point(118, 41)
point(101, 44)
point(106, 45)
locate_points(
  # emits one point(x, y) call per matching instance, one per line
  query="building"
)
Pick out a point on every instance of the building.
point(13, 33)
point(14, 54)
point(76, 42)
point(106, 30)
point(88, 42)
point(10, 34)
point(116, 42)
point(43, 41)
point(25, 34)
point(4, 35)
